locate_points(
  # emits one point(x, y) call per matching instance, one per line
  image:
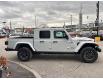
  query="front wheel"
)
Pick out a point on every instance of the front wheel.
point(24, 54)
point(88, 55)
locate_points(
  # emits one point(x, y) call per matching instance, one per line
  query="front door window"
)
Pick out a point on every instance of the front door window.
point(60, 34)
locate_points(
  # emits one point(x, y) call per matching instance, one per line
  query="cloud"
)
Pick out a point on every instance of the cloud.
point(47, 11)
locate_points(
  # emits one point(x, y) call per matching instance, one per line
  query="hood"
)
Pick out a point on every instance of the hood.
point(79, 39)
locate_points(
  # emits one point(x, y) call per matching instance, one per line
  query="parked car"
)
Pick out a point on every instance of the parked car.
point(2, 34)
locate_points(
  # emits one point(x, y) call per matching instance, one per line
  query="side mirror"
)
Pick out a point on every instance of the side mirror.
point(66, 37)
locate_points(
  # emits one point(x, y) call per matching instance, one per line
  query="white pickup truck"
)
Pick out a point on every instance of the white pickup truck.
point(53, 41)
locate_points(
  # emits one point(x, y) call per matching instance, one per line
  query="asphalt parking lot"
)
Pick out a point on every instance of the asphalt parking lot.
point(60, 66)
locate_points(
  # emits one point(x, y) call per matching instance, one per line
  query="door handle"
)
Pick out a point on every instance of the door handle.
point(41, 41)
point(55, 41)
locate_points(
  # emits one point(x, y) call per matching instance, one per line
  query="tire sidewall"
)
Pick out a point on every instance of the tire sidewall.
point(83, 52)
point(27, 52)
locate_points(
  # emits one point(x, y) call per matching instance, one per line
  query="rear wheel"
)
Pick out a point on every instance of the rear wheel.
point(24, 54)
point(88, 55)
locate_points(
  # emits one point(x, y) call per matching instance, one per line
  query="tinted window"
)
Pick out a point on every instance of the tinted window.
point(44, 34)
point(59, 34)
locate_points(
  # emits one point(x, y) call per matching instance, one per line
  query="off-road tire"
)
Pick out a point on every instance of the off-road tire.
point(24, 54)
point(88, 55)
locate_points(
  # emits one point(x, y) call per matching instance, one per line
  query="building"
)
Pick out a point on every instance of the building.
point(71, 28)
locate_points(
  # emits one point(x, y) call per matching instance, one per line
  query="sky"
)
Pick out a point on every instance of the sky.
point(50, 13)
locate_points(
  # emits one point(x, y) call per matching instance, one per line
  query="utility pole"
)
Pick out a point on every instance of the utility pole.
point(97, 19)
point(87, 21)
point(1, 72)
point(80, 18)
point(64, 25)
point(71, 20)
point(4, 23)
point(10, 25)
point(10, 28)
point(35, 22)
point(23, 30)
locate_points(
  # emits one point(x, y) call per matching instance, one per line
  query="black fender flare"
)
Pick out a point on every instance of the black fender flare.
point(95, 46)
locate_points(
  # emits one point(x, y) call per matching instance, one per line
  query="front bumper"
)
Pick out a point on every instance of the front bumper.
point(9, 49)
point(98, 49)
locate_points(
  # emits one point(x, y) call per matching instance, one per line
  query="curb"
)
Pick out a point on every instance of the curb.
point(27, 68)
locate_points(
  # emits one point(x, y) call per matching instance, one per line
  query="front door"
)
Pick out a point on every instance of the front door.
point(61, 42)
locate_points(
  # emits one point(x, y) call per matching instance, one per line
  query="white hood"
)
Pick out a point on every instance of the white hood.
point(79, 39)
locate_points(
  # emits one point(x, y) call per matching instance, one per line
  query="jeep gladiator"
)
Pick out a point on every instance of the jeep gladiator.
point(53, 41)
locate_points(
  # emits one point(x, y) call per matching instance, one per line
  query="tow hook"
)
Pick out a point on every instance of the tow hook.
point(97, 48)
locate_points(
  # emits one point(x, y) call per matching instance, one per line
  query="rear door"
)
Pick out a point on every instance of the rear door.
point(43, 43)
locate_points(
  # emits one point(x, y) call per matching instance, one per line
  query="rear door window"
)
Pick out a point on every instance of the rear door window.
point(44, 34)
